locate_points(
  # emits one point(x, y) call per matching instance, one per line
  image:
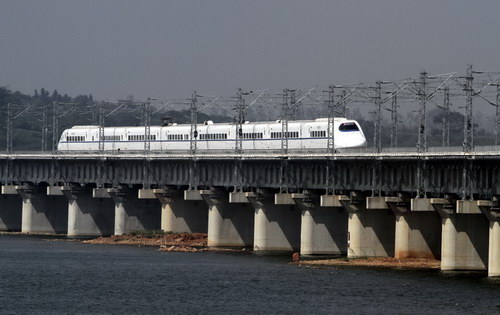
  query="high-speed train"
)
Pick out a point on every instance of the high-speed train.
point(302, 134)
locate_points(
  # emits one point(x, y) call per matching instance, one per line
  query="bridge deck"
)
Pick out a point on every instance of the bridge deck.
point(486, 152)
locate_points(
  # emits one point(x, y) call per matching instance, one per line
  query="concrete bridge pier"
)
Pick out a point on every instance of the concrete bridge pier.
point(491, 209)
point(323, 228)
point(418, 228)
point(371, 229)
point(230, 220)
point(10, 209)
point(277, 222)
point(42, 213)
point(177, 214)
point(133, 214)
point(87, 216)
point(465, 229)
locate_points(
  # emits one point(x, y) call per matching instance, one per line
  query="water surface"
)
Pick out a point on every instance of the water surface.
point(40, 275)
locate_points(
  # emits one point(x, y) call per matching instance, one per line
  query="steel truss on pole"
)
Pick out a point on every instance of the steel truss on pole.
point(146, 167)
point(468, 144)
point(497, 115)
point(284, 165)
point(45, 127)
point(394, 121)
point(377, 142)
point(238, 148)
point(193, 167)
point(446, 118)
point(330, 149)
point(100, 138)
point(10, 135)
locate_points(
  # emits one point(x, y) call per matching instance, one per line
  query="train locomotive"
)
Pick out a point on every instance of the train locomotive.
point(302, 134)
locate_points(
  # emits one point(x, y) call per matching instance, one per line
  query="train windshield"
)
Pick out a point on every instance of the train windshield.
point(349, 126)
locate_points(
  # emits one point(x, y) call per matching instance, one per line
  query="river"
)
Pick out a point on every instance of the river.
point(57, 276)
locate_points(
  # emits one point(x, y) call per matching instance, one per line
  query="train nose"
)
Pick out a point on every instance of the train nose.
point(361, 141)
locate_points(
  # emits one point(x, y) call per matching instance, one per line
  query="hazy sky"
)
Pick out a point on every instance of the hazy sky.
point(165, 49)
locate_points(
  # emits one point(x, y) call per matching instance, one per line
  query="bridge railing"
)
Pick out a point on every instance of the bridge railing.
point(230, 153)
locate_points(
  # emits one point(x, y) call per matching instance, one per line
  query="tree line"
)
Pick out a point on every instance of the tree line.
point(81, 110)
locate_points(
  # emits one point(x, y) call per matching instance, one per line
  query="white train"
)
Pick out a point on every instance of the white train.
point(302, 134)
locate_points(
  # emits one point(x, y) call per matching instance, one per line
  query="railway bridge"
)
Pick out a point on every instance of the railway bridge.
point(442, 203)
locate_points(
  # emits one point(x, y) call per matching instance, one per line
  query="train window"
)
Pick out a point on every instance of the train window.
point(349, 126)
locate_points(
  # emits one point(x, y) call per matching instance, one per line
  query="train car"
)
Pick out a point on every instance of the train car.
point(302, 134)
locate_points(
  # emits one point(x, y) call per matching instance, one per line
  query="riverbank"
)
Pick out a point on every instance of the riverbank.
point(169, 242)
point(197, 242)
point(387, 262)
point(185, 242)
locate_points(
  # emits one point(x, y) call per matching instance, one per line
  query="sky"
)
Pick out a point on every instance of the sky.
point(166, 49)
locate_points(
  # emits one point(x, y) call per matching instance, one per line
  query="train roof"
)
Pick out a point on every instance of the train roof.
point(209, 122)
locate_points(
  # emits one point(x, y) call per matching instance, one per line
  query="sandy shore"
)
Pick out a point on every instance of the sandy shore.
point(409, 263)
point(197, 242)
point(170, 242)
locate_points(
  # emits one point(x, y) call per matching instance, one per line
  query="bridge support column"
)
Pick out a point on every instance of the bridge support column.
point(41, 213)
point(229, 224)
point(371, 229)
point(10, 210)
point(323, 229)
point(179, 215)
point(492, 212)
point(418, 228)
point(88, 216)
point(277, 223)
point(133, 214)
point(464, 235)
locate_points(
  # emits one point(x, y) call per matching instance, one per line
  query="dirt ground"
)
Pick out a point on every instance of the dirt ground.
point(410, 263)
point(197, 242)
point(170, 242)
point(187, 242)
